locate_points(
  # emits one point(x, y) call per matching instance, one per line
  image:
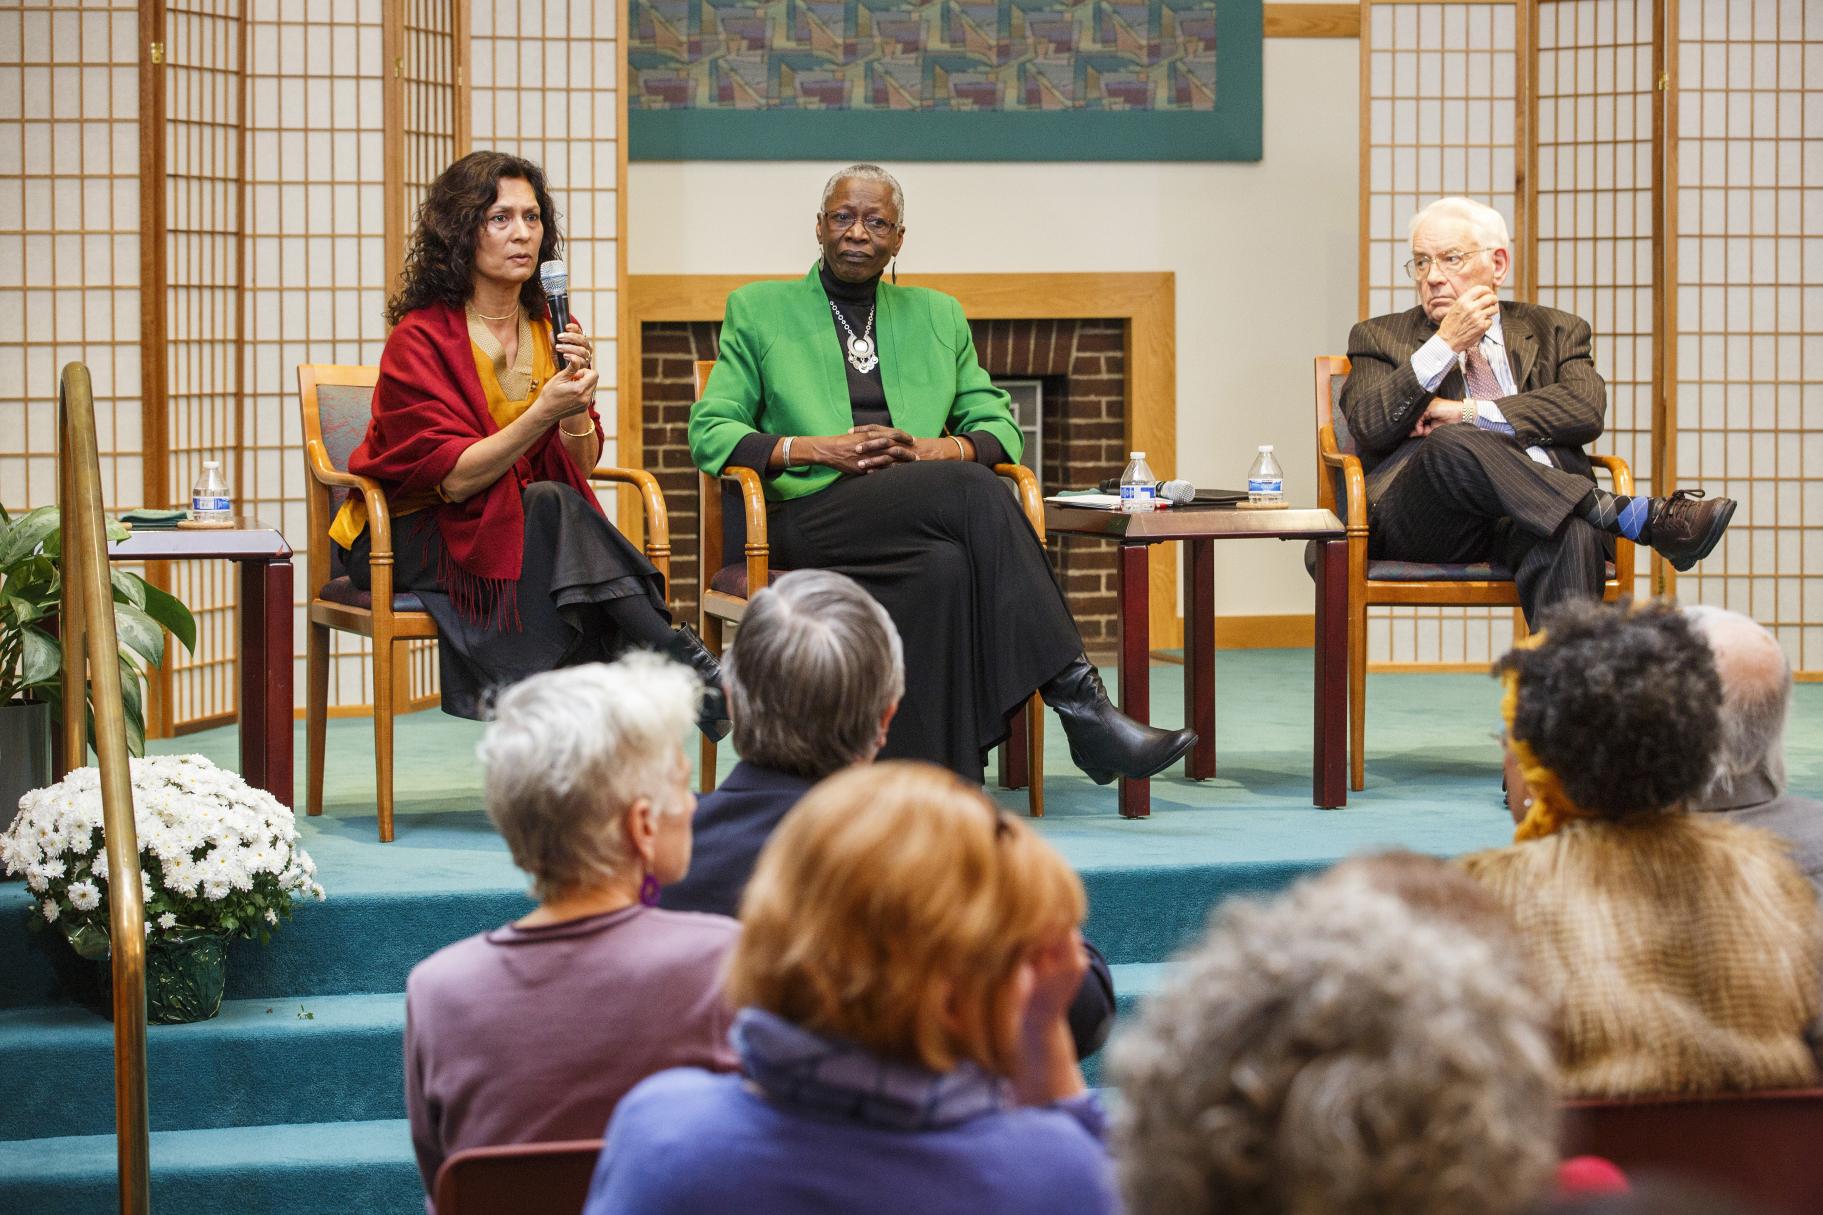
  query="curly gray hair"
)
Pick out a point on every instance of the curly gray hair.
point(1337, 1050)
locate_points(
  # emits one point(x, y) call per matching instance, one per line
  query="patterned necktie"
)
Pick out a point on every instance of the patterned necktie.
point(1478, 377)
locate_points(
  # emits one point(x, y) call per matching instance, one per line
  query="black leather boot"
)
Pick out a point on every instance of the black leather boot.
point(686, 647)
point(1104, 742)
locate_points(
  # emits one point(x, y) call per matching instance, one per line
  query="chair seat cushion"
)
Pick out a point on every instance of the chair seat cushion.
point(731, 579)
point(1426, 571)
point(1429, 571)
point(343, 591)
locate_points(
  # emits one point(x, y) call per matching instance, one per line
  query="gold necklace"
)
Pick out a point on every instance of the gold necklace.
point(484, 316)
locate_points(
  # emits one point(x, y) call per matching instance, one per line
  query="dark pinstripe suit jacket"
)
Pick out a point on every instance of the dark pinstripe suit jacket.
point(1559, 407)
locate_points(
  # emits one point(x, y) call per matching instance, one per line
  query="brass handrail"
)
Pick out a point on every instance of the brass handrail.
point(89, 639)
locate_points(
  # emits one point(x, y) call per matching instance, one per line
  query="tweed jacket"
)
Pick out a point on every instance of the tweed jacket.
point(1681, 951)
point(779, 371)
point(1559, 406)
point(1798, 821)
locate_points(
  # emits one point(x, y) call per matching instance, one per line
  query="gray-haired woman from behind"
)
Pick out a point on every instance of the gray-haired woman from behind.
point(817, 670)
point(1343, 1048)
point(533, 1032)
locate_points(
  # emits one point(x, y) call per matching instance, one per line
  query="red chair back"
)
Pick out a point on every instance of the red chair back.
point(1760, 1146)
point(518, 1179)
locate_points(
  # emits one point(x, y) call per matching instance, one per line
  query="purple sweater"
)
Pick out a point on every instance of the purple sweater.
point(523, 1035)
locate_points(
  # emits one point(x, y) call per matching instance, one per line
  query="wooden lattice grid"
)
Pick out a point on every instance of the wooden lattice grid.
point(1748, 269)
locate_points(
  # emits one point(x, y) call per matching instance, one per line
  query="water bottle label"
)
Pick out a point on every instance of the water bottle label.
point(1129, 492)
point(202, 505)
point(1263, 485)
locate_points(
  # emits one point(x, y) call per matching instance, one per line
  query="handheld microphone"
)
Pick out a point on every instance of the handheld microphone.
point(1177, 492)
point(554, 276)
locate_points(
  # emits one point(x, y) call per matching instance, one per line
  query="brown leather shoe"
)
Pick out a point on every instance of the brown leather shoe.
point(1685, 527)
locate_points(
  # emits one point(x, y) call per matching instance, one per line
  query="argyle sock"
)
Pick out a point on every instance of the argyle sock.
point(1618, 514)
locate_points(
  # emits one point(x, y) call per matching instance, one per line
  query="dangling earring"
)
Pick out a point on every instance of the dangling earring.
point(648, 887)
point(895, 269)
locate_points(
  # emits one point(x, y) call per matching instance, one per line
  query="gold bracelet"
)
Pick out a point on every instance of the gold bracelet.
point(961, 451)
point(577, 434)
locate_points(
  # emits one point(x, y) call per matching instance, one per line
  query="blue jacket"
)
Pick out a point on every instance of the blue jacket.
point(731, 825)
point(688, 1142)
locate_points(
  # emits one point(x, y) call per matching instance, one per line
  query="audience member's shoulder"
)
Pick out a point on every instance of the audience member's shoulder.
point(676, 1104)
point(453, 964)
point(1056, 1154)
point(692, 929)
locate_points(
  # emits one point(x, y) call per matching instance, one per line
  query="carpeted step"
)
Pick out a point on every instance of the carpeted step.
point(293, 1169)
point(303, 1059)
point(352, 943)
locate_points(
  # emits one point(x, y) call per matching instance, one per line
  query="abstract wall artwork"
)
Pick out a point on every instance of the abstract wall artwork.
point(944, 79)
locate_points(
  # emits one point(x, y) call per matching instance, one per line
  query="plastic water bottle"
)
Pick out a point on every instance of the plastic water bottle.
point(1138, 487)
point(1265, 480)
point(209, 501)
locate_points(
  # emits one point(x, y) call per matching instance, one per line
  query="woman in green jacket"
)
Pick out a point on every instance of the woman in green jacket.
point(877, 431)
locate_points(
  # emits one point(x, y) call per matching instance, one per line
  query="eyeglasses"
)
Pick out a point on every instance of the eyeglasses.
point(1452, 262)
point(842, 221)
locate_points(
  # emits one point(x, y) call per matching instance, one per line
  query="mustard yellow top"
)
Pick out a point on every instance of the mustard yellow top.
point(351, 520)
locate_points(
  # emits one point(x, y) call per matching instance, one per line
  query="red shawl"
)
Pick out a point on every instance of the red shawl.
point(427, 408)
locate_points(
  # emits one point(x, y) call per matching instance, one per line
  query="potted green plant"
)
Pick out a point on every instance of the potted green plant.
point(218, 859)
point(31, 660)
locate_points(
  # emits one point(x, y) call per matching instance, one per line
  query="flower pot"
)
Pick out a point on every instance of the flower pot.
point(25, 753)
point(185, 977)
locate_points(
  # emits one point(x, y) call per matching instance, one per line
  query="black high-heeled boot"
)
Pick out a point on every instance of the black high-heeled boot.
point(1104, 742)
point(686, 647)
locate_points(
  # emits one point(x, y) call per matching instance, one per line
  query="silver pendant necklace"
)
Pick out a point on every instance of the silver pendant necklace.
point(861, 354)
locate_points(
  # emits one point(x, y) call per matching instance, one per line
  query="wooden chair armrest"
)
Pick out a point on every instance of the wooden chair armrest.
point(1354, 486)
point(1621, 474)
point(758, 553)
point(1618, 471)
point(1025, 485)
point(652, 502)
point(379, 514)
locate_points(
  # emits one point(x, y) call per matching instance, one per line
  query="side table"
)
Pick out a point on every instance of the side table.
point(1198, 528)
point(265, 633)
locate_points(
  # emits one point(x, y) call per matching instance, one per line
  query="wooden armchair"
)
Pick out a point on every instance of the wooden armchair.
point(337, 404)
point(1760, 1146)
point(1342, 488)
point(731, 518)
point(518, 1179)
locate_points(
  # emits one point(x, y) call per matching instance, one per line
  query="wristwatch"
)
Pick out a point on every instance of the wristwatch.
point(1470, 411)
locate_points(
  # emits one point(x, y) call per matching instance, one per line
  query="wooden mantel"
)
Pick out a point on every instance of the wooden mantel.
point(1146, 302)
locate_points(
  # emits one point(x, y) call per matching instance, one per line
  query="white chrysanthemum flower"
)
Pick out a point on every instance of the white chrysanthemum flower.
point(167, 921)
point(50, 909)
point(35, 880)
point(84, 895)
point(272, 917)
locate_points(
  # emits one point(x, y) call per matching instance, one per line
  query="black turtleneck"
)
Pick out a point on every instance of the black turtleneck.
point(855, 301)
point(866, 391)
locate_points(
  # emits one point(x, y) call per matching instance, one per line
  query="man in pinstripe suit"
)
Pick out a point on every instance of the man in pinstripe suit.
point(1471, 415)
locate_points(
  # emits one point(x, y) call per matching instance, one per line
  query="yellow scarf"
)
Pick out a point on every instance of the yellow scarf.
point(1551, 807)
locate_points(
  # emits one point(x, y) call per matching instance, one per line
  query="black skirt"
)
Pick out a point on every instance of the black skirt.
point(574, 562)
point(945, 549)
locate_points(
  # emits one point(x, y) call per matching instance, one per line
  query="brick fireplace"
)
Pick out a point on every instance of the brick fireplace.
point(1080, 362)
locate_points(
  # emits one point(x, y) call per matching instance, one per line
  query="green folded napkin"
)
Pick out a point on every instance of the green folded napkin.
point(147, 517)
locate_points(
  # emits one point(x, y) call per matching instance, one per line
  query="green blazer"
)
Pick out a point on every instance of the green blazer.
point(780, 372)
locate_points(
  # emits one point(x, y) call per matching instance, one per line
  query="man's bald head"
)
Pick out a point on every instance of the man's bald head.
point(1756, 693)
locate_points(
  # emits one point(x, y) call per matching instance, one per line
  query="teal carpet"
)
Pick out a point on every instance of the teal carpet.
point(291, 1102)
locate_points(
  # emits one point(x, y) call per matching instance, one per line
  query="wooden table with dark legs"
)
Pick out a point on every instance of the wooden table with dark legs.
point(1197, 529)
point(264, 629)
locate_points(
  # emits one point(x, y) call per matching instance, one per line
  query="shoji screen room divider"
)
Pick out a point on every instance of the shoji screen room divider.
point(1661, 165)
point(210, 192)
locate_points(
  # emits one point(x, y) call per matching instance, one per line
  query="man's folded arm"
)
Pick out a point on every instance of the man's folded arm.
point(1382, 397)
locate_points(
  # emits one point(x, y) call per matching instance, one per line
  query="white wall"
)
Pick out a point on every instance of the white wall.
point(1265, 256)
